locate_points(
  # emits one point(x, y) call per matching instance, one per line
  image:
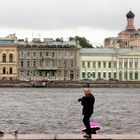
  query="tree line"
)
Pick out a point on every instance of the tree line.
point(84, 43)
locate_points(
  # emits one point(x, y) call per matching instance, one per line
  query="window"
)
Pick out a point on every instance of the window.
point(22, 64)
point(130, 63)
point(99, 64)
point(120, 63)
point(125, 75)
point(10, 70)
point(104, 64)
point(40, 54)
point(131, 76)
point(136, 75)
point(120, 75)
point(83, 74)
point(65, 63)
point(28, 63)
point(72, 53)
point(28, 54)
point(40, 73)
point(10, 57)
point(109, 65)
point(115, 64)
point(53, 63)
point(109, 75)
point(4, 57)
point(59, 63)
point(88, 74)
point(28, 73)
point(47, 64)
point(99, 75)
point(4, 70)
point(136, 63)
point(125, 63)
point(66, 54)
point(115, 75)
point(88, 64)
point(34, 54)
point(59, 73)
point(104, 74)
point(47, 53)
point(72, 63)
point(34, 73)
point(53, 54)
point(94, 65)
point(40, 64)
point(53, 73)
point(34, 63)
point(22, 54)
point(93, 74)
point(83, 64)
point(46, 73)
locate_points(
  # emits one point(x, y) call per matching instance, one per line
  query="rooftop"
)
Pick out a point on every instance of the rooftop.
point(107, 51)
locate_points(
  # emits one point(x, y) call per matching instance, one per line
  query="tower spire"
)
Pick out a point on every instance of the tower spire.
point(130, 20)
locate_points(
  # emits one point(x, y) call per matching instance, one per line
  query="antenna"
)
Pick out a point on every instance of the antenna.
point(39, 36)
point(32, 35)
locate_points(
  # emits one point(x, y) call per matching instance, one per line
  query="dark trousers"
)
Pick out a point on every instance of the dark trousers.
point(86, 121)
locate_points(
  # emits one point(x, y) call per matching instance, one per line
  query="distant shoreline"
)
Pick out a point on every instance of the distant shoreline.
point(69, 84)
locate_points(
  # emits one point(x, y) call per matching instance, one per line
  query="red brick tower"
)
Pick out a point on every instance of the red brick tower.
point(130, 21)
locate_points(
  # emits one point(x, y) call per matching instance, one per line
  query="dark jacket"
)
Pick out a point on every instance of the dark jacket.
point(88, 104)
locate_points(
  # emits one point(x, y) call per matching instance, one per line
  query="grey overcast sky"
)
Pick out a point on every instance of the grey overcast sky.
point(94, 19)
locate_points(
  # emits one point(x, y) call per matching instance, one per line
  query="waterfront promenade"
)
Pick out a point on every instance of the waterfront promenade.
point(70, 137)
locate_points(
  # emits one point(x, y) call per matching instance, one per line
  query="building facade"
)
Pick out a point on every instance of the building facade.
point(8, 59)
point(48, 60)
point(128, 38)
point(110, 63)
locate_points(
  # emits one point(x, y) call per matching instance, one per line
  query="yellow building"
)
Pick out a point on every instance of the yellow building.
point(8, 59)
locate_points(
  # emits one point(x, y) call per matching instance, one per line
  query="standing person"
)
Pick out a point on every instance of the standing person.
point(87, 102)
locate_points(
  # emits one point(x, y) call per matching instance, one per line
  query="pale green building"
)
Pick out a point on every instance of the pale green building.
point(110, 63)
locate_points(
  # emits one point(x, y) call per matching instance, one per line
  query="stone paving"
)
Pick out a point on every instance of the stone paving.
point(70, 137)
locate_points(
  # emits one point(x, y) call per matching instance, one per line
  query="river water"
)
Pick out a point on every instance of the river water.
point(48, 110)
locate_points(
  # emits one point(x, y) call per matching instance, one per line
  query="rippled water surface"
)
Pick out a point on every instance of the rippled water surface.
point(45, 110)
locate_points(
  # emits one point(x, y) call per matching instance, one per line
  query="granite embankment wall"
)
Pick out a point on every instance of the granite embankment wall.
point(14, 83)
point(72, 84)
point(94, 84)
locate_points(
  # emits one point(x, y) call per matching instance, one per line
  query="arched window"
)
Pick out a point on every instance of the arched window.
point(4, 70)
point(10, 57)
point(4, 57)
point(10, 70)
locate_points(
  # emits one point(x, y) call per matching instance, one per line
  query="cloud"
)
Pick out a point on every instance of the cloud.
point(93, 19)
point(63, 14)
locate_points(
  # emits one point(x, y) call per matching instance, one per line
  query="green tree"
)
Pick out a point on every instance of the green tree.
point(59, 39)
point(84, 43)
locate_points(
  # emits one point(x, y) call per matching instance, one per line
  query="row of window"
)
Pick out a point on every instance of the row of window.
point(46, 73)
point(110, 75)
point(126, 64)
point(41, 54)
point(99, 64)
point(40, 73)
point(131, 64)
point(4, 71)
point(52, 63)
point(4, 57)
